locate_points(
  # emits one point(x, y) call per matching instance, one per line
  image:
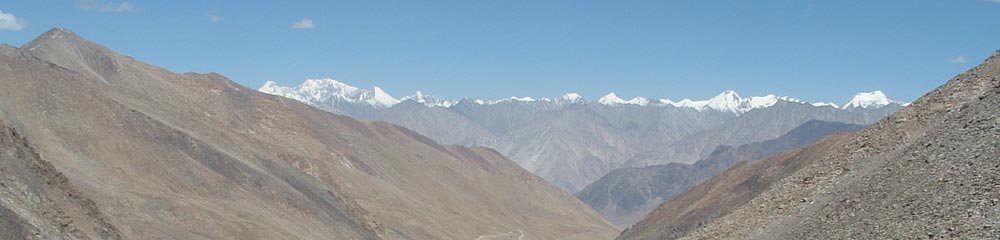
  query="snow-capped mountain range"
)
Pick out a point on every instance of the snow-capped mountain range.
point(572, 141)
point(327, 91)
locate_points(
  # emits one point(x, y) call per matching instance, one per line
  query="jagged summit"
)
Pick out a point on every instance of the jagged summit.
point(332, 92)
point(58, 36)
point(874, 99)
point(730, 101)
point(571, 98)
point(69, 50)
point(429, 100)
point(57, 32)
point(612, 99)
point(727, 101)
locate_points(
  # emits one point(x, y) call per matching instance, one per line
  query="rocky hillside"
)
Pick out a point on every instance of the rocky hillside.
point(154, 154)
point(721, 194)
point(38, 202)
point(626, 195)
point(927, 171)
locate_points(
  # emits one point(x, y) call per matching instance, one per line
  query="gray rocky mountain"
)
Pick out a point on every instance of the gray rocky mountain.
point(572, 142)
point(927, 171)
point(624, 196)
point(759, 125)
point(98, 145)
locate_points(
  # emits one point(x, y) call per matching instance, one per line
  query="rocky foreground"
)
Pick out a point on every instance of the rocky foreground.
point(927, 171)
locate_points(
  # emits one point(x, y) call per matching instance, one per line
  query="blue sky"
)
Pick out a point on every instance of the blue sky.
point(815, 50)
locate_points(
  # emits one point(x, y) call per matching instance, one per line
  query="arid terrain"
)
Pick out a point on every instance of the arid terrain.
point(927, 171)
point(100, 145)
point(625, 196)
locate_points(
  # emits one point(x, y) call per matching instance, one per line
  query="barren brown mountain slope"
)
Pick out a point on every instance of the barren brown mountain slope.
point(196, 156)
point(625, 196)
point(728, 190)
point(927, 171)
point(36, 200)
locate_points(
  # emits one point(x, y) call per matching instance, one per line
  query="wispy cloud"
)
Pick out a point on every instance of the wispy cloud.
point(303, 24)
point(214, 18)
point(10, 22)
point(995, 1)
point(960, 59)
point(109, 7)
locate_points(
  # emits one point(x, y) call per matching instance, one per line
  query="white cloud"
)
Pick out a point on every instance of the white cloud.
point(960, 59)
point(214, 18)
point(304, 24)
point(996, 1)
point(109, 7)
point(10, 22)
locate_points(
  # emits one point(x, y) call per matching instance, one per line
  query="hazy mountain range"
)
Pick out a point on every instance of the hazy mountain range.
point(571, 141)
point(624, 196)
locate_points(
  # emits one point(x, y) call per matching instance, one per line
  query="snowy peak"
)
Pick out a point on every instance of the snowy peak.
point(322, 89)
point(379, 98)
point(429, 100)
point(571, 98)
point(328, 92)
point(875, 99)
point(641, 101)
point(727, 101)
point(766, 101)
point(612, 99)
point(730, 102)
point(273, 88)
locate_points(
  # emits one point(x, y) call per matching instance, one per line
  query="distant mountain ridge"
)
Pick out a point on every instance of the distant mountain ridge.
point(624, 196)
point(327, 92)
point(570, 141)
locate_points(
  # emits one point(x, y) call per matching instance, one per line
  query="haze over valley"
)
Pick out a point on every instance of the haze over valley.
point(572, 141)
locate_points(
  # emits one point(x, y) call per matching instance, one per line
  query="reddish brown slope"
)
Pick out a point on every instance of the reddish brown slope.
point(729, 190)
point(195, 156)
